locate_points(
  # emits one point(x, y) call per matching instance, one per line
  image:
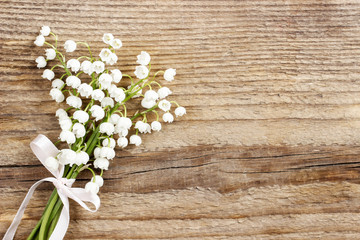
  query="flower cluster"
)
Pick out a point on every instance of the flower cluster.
point(97, 120)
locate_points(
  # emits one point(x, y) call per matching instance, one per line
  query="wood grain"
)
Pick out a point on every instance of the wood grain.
point(268, 149)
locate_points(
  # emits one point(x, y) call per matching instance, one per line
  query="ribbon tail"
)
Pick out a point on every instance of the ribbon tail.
point(80, 195)
point(64, 220)
point(10, 233)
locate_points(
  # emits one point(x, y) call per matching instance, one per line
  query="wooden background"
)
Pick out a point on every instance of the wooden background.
point(269, 148)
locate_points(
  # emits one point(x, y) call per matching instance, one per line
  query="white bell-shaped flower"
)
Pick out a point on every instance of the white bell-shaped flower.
point(57, 95)
point(79, 130)
point(48, 74)
point(67, 136)
point(97, 112)
point(136, 140)
point(41, 62)
point(73, 81)
point(116, 75)
point(85, 90)
point(122, 142)
point(101, 163)
point(141, 72)
point(164, 105)
point(98, 180)
point(156, 126)
point(81, 116)
point(169, 74)
point(144, 58)
point(92, 187)
point(109, 143)
point(70, 46)
point(67, 156)
point(164, 92)
point(180, 111)
point(168, 117)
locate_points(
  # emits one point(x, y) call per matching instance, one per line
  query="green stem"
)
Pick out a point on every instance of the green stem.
point(45, 222)
point(144, 112)
point(36, 228)
point(53, 223)
point(87, 45)
point(56, 39)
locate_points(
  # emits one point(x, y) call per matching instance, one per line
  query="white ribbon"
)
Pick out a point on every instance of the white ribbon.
point(44, 148)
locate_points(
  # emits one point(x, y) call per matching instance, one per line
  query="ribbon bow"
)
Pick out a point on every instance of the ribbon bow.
point(44, 148)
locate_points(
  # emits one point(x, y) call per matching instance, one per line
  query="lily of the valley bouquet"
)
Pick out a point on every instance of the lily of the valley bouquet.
point(93, 123)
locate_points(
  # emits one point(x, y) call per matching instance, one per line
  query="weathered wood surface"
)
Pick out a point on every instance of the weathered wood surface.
point(268, 150)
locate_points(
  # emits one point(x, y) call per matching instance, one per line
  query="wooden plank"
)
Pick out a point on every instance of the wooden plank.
point(270, 143)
